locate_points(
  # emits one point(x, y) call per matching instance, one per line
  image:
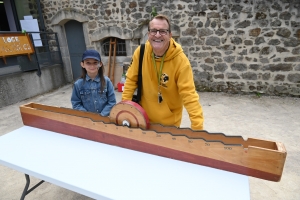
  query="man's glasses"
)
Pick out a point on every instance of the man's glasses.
point(161, 32)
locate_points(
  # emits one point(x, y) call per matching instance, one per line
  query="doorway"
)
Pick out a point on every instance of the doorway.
point(76, 45)
point(3, 19)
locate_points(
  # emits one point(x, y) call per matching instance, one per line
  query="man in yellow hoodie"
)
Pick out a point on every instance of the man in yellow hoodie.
point(167, 75)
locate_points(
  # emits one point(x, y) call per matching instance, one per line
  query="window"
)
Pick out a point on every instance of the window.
point(26, 8)
point(121, 47)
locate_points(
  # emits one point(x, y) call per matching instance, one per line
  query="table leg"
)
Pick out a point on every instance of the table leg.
point(26, 191)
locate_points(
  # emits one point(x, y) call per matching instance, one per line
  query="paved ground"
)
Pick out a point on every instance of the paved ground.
point(268, 118)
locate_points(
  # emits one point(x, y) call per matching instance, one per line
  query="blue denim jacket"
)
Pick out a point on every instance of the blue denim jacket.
point(87, 96)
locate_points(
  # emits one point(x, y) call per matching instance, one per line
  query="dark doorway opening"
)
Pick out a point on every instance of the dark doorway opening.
point(76, 45)
point(3, 19)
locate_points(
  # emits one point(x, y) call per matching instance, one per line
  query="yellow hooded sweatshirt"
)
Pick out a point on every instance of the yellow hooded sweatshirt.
point(177, 87)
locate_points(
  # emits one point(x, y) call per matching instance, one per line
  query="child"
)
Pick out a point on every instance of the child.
point(93, 91)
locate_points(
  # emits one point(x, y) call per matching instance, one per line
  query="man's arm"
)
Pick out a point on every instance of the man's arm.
point(131, 76)
point(190, 97)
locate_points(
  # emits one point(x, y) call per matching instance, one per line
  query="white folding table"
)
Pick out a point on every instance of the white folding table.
point(104, 171)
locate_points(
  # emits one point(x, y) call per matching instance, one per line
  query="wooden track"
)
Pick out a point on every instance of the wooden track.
point(253, 157)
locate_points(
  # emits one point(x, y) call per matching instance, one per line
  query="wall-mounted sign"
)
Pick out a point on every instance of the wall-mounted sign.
point(12, 44)
point(31, 25)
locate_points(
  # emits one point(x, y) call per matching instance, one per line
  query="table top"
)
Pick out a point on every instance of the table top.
point(104, 171)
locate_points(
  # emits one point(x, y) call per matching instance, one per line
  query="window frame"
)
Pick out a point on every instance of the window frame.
point(121, 47)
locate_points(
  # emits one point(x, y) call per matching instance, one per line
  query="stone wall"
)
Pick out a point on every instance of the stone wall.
point(237, 46)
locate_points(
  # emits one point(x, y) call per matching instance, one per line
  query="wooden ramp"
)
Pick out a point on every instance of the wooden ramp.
point(253, 157)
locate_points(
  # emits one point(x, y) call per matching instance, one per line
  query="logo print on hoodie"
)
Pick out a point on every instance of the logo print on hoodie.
point(164, 79)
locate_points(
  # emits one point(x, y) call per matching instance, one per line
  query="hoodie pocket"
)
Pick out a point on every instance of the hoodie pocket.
point(159, 112)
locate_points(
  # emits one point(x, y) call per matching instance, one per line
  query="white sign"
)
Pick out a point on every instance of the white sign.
point(31, 25)
point(28, 17)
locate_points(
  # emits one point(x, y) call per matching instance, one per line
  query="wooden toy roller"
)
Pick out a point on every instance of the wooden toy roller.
point(128, 126)
point(129, 113)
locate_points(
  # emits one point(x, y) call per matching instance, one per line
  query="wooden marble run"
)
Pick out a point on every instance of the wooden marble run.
point(128, 127)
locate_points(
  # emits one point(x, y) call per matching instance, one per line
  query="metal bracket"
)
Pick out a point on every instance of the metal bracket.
point(26, 191)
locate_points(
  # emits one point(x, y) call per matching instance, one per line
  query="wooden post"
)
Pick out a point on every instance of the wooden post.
point(111, 68)
point(109, 55)
point(114, 61)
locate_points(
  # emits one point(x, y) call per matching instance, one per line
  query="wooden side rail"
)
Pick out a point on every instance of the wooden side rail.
point(253, 157)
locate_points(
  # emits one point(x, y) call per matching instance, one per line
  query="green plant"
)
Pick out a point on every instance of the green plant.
point(154, 12)
point(258, 94)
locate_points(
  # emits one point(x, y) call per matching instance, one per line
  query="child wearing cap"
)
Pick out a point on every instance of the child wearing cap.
point(93, 91)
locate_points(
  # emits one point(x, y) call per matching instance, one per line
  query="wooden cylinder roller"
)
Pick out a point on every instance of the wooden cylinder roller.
point(129, 113)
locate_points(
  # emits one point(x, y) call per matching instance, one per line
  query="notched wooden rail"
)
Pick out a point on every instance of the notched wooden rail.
point(253, 157)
